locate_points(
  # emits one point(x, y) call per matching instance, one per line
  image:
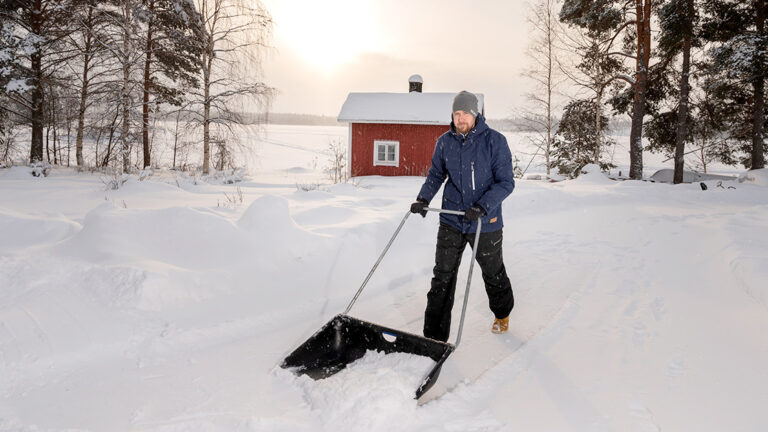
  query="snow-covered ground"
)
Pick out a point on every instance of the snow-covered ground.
point(166, 305)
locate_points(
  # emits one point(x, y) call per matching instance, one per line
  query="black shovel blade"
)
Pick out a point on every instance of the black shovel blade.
point(345, 339)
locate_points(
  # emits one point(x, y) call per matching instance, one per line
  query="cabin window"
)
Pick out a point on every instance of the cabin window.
point(386, 153)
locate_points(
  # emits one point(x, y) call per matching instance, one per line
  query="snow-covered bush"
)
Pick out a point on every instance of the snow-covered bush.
point(114, 181)
point(337, 162)
point(227, 176)
point(145, 174)
point(758, 177)
point(233, 200)
point(40, 169)
point(308, 187)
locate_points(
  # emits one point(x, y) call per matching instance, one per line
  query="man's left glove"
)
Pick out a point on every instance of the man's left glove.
point(474, 213)
point(419, 206)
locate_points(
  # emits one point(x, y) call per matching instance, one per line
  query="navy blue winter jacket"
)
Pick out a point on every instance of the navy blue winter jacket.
point(479, 170)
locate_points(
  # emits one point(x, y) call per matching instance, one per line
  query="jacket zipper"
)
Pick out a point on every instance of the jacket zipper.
point(473, 175)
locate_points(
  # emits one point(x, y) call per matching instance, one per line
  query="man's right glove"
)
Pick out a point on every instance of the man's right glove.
point(474, 213)
point(419, 207)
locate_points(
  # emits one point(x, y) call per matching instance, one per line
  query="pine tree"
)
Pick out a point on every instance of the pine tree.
point(577, 139)
point(596, 72)
point(668, 99)
point(736, 78)
point(31, 34)
point(705, 125)
point(679, 28)
point(633, 20)
point(172, 47)
point(706, 133)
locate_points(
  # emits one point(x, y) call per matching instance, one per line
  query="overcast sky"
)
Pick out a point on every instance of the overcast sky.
point(324, 49)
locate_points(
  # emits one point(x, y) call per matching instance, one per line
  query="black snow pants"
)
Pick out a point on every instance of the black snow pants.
point(450, 245)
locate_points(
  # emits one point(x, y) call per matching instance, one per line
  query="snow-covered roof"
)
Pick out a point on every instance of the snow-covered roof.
point(667, 175)
point(409, 108)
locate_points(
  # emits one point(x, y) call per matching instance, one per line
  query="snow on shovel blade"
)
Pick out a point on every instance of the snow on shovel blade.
point(345, 339)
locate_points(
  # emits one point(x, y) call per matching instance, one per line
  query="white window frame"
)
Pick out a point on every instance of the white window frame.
point(377, 162)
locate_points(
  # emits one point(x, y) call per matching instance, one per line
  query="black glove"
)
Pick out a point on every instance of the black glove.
point(419, 206)
point(473, 213)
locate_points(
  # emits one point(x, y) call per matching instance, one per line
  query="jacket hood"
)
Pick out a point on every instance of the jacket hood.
point(480, 126)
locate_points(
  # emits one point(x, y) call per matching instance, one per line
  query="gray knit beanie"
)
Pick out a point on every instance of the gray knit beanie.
point(465, 101)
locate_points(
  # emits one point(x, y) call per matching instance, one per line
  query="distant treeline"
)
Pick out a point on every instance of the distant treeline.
point(297, 119)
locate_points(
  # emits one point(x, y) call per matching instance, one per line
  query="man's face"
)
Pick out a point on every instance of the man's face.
point(463, 121)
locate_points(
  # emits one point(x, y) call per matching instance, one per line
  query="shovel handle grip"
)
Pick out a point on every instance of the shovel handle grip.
point(439, 210)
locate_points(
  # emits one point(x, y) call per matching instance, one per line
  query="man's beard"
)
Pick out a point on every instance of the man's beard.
point(462, 128)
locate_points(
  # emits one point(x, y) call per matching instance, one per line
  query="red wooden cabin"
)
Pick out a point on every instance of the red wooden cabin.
point(394, 134)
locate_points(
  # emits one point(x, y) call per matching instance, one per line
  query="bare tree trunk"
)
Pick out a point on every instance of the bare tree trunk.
point(81, 116)
point(98, 140)
point(176, 139)
point(758, 113)
point(126, 97)
point(550, 54)
point(48, 144)
point(682, 110)
point(53, 126)
point(145, 104)
point(112, 128)
point(84, 90)
point(598, 132)
point(38, 98)
point(206, 130)
point(207, 64)
point(643, 11)
point(69, 135)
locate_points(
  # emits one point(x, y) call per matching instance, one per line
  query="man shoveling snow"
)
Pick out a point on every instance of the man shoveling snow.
point(477, 163)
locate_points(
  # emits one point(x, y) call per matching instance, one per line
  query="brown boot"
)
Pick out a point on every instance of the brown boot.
point(500, 325)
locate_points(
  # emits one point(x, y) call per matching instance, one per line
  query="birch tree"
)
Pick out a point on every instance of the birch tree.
point(88, 69)
point(545, 75)
point(594, 73)
point(234, 34)
point(122, 44)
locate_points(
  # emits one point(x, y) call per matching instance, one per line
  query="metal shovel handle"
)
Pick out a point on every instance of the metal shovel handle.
point(391, 240)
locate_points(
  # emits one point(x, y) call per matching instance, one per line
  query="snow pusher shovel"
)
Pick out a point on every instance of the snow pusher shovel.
point(345, 339)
